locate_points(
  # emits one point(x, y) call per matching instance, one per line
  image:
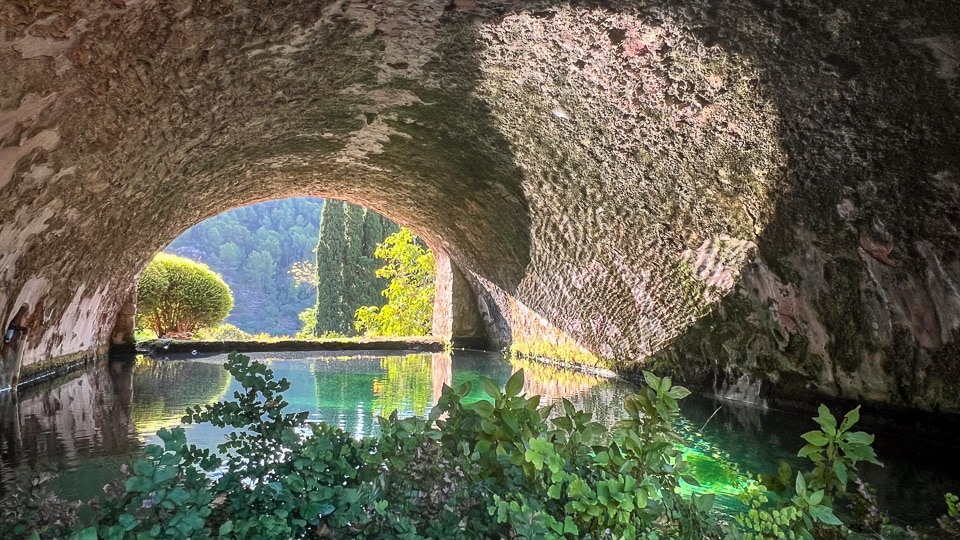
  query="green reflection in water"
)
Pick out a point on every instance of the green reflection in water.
point(89, 423)
point(163, 389)
point(407, 385)
point(714, 469)
point(350, 392)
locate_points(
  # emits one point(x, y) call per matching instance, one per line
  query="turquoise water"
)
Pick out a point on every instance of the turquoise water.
point(86, 426)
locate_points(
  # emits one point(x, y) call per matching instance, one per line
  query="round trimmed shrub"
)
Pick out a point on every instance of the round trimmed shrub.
point(177, 295)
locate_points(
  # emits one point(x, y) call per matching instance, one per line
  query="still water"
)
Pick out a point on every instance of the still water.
point(85, 426)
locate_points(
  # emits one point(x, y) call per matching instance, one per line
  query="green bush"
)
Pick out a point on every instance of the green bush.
point(950, 522)
point(503, 467)
point(178, 295)
point(222, 332)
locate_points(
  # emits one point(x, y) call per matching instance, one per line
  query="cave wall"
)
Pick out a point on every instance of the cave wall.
point(763, 187)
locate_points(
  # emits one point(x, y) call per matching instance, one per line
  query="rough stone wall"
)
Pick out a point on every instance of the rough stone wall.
point(854, 293)
point(763, 187)
point(456, 316)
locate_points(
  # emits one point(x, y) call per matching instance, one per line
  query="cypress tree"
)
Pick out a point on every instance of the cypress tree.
point(373, 235)
point(389, 227)
point(354, 280)
point(346, 266)
point(330, 252)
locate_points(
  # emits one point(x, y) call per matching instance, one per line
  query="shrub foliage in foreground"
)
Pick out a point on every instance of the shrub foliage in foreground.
point(503, 468)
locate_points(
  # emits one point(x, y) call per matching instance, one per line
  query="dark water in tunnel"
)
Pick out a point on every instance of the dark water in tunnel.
point(88, 424)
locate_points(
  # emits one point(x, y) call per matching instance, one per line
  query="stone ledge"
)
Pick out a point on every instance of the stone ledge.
point(53, 368)
point(172, 346)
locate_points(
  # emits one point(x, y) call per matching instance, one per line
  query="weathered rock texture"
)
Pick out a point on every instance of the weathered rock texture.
point(456, 316)
point(765, 187)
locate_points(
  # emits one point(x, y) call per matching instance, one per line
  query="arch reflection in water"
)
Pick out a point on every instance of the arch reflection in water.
point(79, 426)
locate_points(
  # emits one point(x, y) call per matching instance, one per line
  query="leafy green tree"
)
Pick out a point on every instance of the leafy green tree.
point(412, 270)
point(260, 269)
point(308, 318)
point(231, 256)
point(178, 295)
point(330, 250)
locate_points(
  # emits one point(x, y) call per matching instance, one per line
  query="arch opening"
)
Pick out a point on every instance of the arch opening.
point(304, 267)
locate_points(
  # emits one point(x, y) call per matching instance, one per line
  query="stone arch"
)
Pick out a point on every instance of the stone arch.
point(615, 179)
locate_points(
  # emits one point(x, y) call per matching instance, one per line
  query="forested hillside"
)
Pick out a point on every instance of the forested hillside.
point(253, 248)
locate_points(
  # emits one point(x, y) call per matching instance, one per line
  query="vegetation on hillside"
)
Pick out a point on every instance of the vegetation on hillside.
point(253, 248)
point(178, 296)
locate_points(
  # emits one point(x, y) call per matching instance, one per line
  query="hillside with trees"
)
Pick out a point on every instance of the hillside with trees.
point(305, 266)
point(253, 248)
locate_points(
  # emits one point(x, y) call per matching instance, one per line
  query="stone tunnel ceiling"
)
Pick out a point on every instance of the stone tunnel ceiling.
point(764, 189)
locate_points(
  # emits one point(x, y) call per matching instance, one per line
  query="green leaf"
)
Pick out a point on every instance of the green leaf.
point(858, 437)
point(165, 474)
point(824, 515)
point(193, 521)
point(534, 457)
point(801, 485)
point(491, 388)
point(678, 392)
point(483, 446)
point(652, 380)
point(143, 467)
point(815, 438)
point(810, 451)
point(784, 472)
point(90, 533)
point(704, 502)
point(514, 384)
point(568, 407)
point(139, 484)
point(179, 496)
point(226, 528)
point(642, 497)
point(841, 471)
point(630, 405)
point(483, 407)
point(826, 420)
point(850, 419)
point(533, 402)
